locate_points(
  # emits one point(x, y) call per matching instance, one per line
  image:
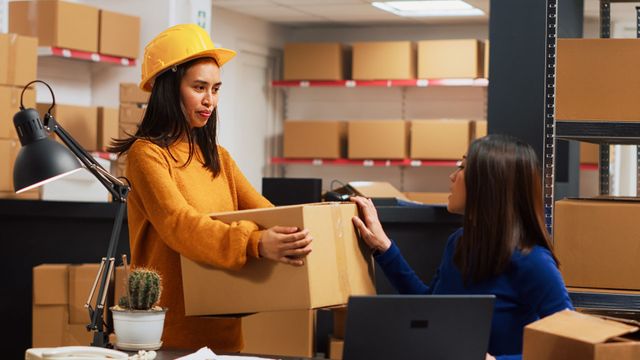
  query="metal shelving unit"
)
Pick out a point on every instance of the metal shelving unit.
point(84, 56)
point(602, 133)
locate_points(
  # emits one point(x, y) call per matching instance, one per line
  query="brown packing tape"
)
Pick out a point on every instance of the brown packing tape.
point(341, 256)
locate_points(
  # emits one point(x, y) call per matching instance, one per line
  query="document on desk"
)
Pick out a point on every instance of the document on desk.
point(206, 354)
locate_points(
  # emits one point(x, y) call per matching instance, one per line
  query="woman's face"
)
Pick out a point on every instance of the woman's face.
point(199, 92)
point(458, 195)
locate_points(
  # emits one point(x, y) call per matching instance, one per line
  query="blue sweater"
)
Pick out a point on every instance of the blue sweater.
point(531, 288)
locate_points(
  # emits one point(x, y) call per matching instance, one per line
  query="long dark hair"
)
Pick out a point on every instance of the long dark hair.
point(503, 210)
point(164, 122)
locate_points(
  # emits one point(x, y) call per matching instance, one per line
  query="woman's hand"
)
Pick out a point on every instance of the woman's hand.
point(285, 244)
point(370, 229)
point(489, 357)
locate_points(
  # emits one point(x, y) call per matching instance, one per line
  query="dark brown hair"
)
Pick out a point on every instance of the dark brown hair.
point(503, 210)
point(164, 122)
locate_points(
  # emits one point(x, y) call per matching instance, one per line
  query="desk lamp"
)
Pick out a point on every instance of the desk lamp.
point(41, 160)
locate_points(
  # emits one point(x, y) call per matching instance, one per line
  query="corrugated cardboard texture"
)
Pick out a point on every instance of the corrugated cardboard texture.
point(119, 34)
point(334, 270)
point(108, 126)
point(589, 153)
point(384, 60)
point(284, 333)
point(597, 244)
point(463, 58)
point(48, 325)
point(131, 93)
point(480, 128)
point(315, 139)
point(440, 139)
point(18, 59)
point(56, 23)
point(336, 348)
point(313, 61)
point(378, 139)
point(10, 105)
point(51, 284)
point(574, 336)
point(598, 79)
point(81, 122)
point(8, 151)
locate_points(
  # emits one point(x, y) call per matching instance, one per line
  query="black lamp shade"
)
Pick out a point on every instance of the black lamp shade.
point(42, 161)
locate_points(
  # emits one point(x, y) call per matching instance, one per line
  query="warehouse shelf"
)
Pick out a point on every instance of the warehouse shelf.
point(591, 167)
point(623, 133)
point(84, 56)
point(598, 300)
point(383, 83)
point(366, 163)
point(105, 155)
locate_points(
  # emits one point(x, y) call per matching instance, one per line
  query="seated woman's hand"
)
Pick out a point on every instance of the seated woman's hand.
point(285, 244)
point(369, 226)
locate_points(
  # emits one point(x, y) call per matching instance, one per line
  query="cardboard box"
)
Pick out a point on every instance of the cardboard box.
point(51, 284)
point(596, 242)
point(283, 333)
point(81, 122)
point(8, 151)
point(10, 105)
point(486, 59)
point(570, 335)
point(440, 139)
point(589, 153)
point(339, 322)
point(336, 348)
point(338, 267)
point(108, 126)
point(77, 335)
point(378, 139)
point(48, 325)
point(78, 186)
point(598, 79)
point(131, 114)
point(435, 198)
point(56, 23)
point(438, 59)
point(374, 189)
point(27, 195)
point(480, 128)
point(119, 34)
point(81, 278)
point(18, 59)
point(384, 60)
point(315, 139)
point(313, 61)
point(131, 93)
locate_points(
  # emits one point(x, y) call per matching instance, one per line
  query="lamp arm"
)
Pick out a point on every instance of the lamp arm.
point(115, 186)
point(119, 190)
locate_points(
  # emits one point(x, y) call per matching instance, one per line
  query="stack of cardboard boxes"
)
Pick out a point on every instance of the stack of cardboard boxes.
point(433, 139)
point(77, 27)
point(18, 65)
point(60, 292)
point(133, 102)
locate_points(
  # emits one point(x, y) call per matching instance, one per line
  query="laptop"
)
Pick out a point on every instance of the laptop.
point(439, 327)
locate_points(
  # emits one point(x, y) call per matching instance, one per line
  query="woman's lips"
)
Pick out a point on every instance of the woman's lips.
point(205, 114)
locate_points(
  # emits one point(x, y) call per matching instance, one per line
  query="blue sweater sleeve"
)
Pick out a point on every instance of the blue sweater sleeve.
point(399, 273)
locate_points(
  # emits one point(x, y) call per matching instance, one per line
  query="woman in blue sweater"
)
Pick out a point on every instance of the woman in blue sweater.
point(503, 248)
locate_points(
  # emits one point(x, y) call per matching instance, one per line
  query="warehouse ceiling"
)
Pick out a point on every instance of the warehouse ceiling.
point(360, 12)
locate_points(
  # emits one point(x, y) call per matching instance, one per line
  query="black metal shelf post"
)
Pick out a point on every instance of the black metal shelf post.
point(549, 146)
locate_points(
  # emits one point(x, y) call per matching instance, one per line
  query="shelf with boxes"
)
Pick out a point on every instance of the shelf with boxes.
point(394, 104)
point(589, 98)
point(84, 55)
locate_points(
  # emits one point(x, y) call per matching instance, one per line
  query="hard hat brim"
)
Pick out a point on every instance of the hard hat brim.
point(221, 56)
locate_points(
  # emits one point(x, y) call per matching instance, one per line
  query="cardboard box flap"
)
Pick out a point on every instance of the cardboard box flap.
point(582, 327)
point(376, 189)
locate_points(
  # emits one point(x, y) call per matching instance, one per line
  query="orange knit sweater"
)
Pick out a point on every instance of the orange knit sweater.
point(167, 212)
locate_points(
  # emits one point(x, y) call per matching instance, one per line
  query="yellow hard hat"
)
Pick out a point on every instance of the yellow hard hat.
point(175, 46)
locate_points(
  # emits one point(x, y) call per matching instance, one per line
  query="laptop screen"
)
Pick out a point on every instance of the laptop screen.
point(440, 327)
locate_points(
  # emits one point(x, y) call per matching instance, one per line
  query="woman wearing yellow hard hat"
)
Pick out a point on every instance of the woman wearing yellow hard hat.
point(179, 174)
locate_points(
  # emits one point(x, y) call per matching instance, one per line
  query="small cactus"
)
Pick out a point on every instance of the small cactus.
point(143, 288)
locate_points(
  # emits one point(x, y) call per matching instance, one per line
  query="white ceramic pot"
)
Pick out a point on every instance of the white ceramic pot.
point(138, 329)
